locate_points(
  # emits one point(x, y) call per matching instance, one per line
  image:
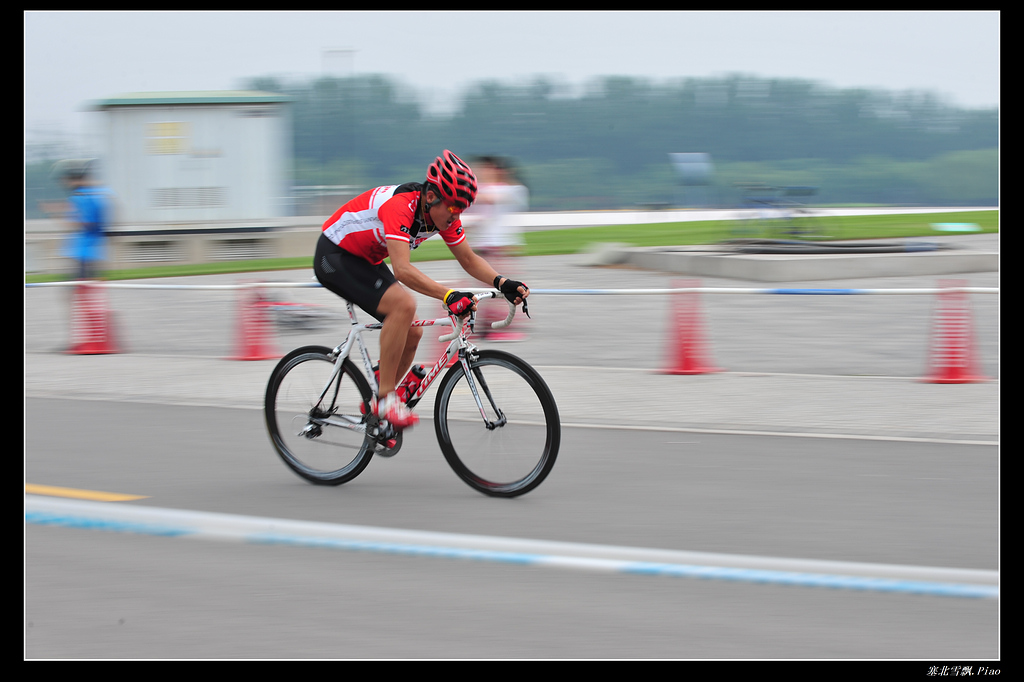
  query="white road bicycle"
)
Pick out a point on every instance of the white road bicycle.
point(495, 418)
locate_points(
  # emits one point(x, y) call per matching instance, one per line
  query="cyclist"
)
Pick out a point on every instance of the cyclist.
point(388, 222)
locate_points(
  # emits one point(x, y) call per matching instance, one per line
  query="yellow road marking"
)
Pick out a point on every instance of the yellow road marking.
point(80, 494)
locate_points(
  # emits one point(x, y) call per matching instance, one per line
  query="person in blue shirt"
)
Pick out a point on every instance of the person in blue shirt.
point(90, 207)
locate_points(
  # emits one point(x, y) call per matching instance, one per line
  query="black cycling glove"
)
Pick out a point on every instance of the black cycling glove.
point(510, 288)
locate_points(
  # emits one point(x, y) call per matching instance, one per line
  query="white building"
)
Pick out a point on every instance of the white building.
point(198, 177)
point(186, 158)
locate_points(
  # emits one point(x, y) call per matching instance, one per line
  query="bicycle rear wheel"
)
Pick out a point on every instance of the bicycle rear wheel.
point(318, 425)
point(510, 449)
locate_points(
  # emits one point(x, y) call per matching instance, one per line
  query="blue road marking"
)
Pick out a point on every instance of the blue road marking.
point(180, 523)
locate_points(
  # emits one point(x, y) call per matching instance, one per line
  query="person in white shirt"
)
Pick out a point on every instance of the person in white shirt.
point(495, 225)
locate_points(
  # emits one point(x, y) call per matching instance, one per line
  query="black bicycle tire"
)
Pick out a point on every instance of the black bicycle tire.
point(363, 455)
point(552, 426)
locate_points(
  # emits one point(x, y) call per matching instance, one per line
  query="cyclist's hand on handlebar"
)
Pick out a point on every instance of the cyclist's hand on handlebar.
point(459, 303)
point(515, 292)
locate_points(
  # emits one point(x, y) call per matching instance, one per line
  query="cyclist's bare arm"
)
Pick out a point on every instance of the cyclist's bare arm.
point(478, 268)
point(411, 276)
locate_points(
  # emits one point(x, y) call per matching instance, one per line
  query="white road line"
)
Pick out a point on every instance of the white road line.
point(780, 434)
point(130, 518)
point(427, 416)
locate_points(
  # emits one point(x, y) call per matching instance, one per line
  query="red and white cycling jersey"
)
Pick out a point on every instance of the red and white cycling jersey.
point(364, 225)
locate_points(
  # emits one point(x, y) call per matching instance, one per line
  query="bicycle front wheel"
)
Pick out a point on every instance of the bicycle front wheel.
point(499, 427)
point(317, 423)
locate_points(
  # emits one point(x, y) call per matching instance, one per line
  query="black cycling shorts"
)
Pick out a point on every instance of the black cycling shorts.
point(353, 278)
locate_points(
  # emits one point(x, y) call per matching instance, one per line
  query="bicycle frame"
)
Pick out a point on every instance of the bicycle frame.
point(459, 345)
point(328, 431)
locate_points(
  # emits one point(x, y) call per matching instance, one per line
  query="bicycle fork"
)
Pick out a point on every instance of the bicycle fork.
point(491, 425)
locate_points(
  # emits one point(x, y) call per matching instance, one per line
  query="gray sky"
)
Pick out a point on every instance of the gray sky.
point(74, 57)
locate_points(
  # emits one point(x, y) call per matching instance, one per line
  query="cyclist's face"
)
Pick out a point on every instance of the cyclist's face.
point(441, 214)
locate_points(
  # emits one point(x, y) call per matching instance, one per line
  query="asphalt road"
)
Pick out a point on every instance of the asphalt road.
point(95, 594)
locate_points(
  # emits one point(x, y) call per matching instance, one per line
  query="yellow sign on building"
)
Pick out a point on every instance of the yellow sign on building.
point(167, 137)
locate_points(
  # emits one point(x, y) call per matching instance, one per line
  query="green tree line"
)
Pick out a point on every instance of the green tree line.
point(608, 146)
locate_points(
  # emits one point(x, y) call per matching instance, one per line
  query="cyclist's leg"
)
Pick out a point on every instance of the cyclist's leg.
point(358, 281)
point(372, 288)
point(412, 343)
point(398, 340)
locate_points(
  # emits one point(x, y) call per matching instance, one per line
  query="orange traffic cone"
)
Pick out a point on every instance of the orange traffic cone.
point(953, 358)
point(254, 331)
point(92, 324)
point(688, 350)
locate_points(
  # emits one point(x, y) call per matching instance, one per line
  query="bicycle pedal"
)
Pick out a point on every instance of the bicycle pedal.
point(388, 447)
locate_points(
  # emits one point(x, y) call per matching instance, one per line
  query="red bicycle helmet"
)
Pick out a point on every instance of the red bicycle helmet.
point(454, 179)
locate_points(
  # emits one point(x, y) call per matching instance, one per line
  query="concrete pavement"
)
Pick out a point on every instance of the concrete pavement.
point(835, 366)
